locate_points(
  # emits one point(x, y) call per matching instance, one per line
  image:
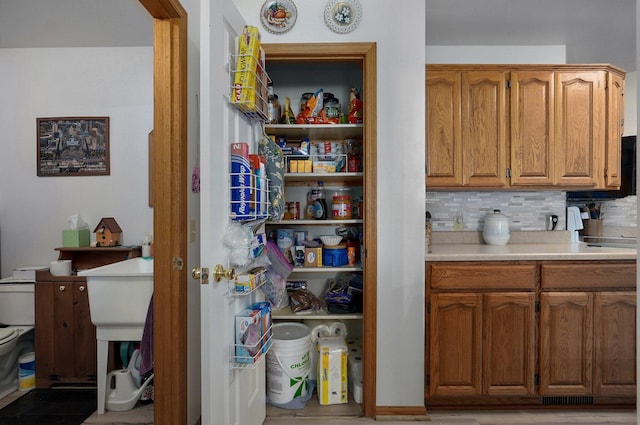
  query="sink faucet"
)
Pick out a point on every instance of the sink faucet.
point(574, 223)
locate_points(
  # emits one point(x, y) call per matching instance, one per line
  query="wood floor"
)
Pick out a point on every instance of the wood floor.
point(314, 414)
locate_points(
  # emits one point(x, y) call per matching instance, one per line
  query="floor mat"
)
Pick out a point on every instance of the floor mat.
point(50, 407)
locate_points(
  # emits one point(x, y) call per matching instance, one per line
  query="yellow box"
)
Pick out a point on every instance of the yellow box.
point(247, 84)
point(293, 165)
point(308, 166)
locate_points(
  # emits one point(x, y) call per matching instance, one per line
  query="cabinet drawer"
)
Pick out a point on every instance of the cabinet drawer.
point(487, 275)
point(575, 275)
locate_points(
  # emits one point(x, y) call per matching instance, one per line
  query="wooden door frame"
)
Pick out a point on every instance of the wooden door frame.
point(169, 184)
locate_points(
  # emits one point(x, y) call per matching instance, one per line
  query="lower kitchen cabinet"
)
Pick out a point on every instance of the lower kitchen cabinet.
point(482, 342)
point(530, 333)
point(65, 340)
point(588, 329)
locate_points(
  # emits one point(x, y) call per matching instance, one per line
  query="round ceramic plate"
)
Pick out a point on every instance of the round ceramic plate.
point(278, 16)
point(342, 16)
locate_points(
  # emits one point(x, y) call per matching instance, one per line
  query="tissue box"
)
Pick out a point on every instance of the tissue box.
point(76, 238)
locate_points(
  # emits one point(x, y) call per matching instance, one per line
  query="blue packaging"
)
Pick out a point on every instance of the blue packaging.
point(334, 257)
point(240, 182)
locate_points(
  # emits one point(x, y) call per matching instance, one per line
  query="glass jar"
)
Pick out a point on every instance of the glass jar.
point(332, 109)
point(303, 101)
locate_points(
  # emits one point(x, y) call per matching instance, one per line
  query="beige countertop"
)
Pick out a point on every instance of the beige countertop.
point(525, 246)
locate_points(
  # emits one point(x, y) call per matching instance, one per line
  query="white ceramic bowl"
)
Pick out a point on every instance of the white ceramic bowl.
point(330, 240)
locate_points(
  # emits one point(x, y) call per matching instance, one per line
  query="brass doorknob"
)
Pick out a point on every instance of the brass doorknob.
point(219, 272)
point(195, 273)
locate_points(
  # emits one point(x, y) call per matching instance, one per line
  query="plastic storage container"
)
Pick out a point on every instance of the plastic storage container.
point(335, 256)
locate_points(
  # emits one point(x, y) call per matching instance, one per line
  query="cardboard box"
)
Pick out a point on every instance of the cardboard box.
point(248, 336)
point(248, 81)
point(313, 257)
point(76, 238)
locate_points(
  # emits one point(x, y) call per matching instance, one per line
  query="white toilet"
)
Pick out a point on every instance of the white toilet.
point(17, 310)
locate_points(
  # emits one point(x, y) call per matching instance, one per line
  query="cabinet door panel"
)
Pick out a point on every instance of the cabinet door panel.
point(509, 344)
point(580, 128)
point(566, 343)
point(484, 124)
point(532, 128)
point(456, 344)
point(615, 129)
point(64, 348)
point(443, 129)
point(615, 343)
point(84, 334)
point(44, 332)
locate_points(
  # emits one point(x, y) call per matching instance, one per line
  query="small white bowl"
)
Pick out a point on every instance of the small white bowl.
point(330, 240)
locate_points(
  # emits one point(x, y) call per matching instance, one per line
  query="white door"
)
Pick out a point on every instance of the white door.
point(229, 396)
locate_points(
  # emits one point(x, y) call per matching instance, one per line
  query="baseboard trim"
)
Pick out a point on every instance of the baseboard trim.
point(401, 413)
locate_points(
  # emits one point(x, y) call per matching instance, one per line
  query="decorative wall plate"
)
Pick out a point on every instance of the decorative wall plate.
point(342, 16)
point(278, 16)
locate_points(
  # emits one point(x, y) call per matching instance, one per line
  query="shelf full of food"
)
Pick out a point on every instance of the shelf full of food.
point(315, 131)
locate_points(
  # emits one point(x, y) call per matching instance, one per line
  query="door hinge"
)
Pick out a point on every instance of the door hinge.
point(507, 84)
point(428, 308)
point(537, 307)
point(508, 173)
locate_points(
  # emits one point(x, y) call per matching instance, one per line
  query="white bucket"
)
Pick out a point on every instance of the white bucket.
point(288, 362)
point(27, 371)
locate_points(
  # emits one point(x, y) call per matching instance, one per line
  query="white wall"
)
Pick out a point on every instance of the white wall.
point(496, 54)
point(400, 188)
point(57, 82)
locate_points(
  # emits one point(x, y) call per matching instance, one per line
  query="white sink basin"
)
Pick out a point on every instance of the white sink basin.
point(119, 296)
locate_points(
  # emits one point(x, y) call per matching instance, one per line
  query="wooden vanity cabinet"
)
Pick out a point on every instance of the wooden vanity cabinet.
point(481, 329)
point(65, 337)
point(588, 329)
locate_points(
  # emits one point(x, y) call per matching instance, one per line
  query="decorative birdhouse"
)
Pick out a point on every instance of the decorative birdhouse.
point(108, 233)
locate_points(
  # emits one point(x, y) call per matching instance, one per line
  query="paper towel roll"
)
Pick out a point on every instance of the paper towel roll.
point(320, 331)
point(60, 268)
point(338, 329)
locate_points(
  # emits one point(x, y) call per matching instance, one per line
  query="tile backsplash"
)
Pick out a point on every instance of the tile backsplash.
point(526, 210)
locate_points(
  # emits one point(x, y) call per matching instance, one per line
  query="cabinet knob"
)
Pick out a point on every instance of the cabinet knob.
point(62, 288)
point(81, 288)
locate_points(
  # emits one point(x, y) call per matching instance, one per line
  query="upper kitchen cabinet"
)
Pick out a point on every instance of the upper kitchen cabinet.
point(523, 126)
point(465, 128)
point(615, 129)
point(580, 128)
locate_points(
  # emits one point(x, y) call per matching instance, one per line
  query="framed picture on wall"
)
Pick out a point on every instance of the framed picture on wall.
point(73, 146)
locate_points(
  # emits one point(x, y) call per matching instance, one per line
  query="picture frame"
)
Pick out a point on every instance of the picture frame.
point(72, 146)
